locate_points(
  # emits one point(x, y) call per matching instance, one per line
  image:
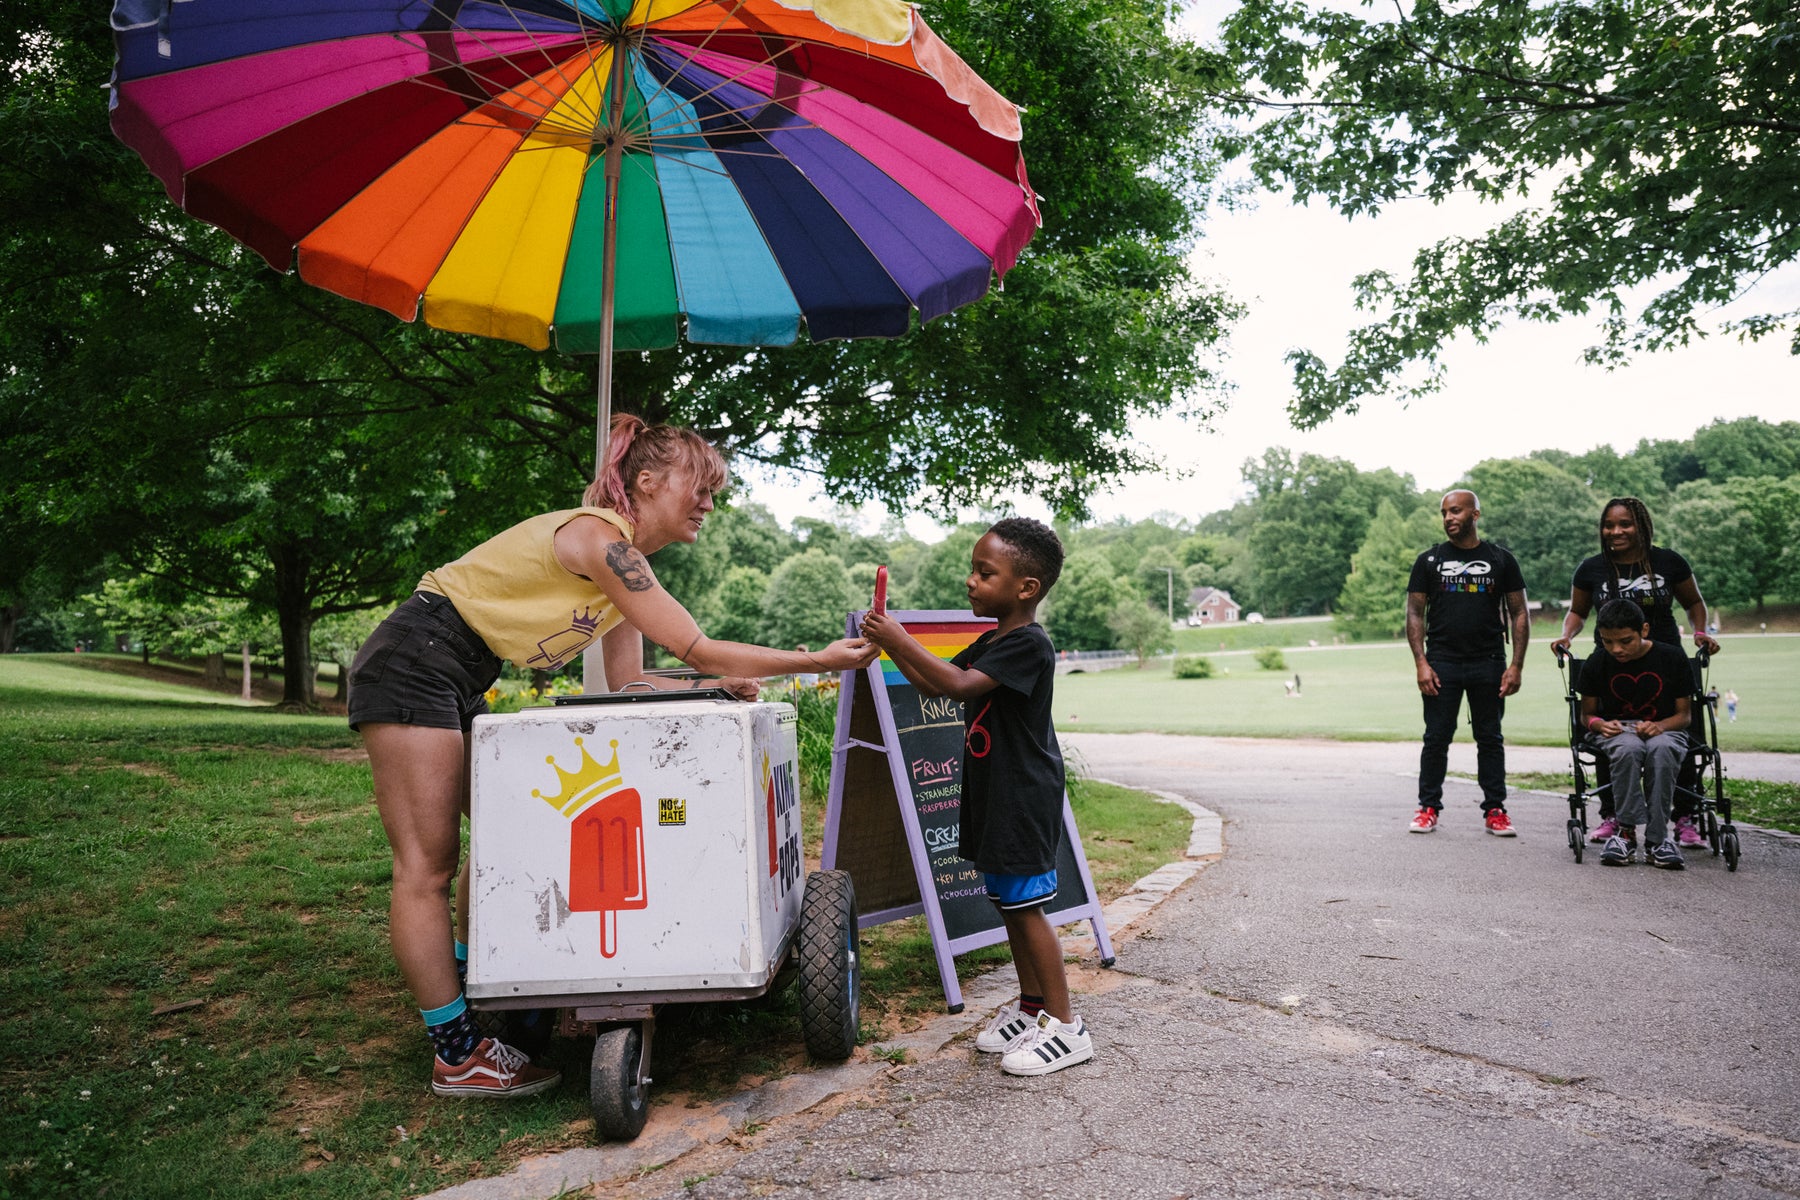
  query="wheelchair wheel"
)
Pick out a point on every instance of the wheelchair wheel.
point(1728, 838)
point(1712, 831)
point(1577, 838)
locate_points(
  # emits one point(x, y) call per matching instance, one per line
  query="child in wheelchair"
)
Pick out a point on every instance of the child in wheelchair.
point(1635, 710)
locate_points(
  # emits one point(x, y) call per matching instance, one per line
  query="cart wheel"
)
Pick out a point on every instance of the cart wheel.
point(1577, 838)
point(1728, 840)
point(619, 1083)
point(830, 968)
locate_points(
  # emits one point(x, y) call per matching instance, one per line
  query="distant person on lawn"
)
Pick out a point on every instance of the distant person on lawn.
point(1463, 597)
point(537, 594)
point(1635, 708)
point(1012, 780)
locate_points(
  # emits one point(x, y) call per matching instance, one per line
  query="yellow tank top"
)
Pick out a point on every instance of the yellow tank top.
point(529, 608)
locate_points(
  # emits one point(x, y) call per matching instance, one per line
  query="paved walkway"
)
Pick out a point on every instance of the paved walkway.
point(1336, 1008)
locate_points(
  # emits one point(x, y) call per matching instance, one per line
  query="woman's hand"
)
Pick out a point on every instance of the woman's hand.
point(846, 654)
point(1706, 641)
point(741, 688)
point(1560, 646)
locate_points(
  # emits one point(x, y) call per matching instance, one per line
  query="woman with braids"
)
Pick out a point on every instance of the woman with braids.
point(1655, 578)
point(536, 595)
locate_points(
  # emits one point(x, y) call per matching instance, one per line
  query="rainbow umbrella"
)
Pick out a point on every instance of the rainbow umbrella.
point(598, 173)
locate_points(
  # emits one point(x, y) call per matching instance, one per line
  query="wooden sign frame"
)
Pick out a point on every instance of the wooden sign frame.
point(875, 827)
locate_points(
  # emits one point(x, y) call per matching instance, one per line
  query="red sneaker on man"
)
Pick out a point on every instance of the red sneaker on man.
point(1425, 820)
point(1499, 824)
point(496, 1070)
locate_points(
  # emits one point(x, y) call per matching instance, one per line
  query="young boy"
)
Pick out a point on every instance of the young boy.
point(1635, 707)
point(1012, 780)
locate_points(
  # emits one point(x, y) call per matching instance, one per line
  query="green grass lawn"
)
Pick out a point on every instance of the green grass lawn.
point(1367, 692)
point(195, 978)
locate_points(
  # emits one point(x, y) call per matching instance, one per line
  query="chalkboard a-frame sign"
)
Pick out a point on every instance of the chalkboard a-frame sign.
point(895, 806)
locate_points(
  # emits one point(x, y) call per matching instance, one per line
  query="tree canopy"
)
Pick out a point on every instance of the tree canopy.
point(1648, 152)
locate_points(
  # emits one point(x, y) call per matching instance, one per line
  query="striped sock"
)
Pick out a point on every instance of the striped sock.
point(452, 1030)
point(1030, 1006)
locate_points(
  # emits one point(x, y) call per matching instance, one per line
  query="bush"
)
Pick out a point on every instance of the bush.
point(1270, 658)
point(1194, 666)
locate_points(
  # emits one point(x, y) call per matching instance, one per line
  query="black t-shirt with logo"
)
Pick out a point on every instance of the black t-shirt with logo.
point(1652, 590)
point(1012, 767)
point(1466, 594)
point(1644, 689)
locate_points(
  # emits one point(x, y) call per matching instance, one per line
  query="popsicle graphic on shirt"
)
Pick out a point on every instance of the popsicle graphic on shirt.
point(606, 841)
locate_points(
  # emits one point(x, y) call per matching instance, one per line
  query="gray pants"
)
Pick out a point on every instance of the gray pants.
point(1643, 779)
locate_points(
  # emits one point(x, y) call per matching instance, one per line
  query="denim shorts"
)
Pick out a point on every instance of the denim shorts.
point(422, 666)
point(1012, 892)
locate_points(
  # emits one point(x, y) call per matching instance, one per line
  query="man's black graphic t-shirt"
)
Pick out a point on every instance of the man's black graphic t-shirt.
point(1644, 689)
point(1652, 590)
point(1465, 599)
point(1012, 767)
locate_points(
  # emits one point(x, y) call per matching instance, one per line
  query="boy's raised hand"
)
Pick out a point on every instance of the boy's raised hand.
point(882, 629)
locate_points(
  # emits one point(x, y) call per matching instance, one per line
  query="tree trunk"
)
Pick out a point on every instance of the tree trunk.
point(214, 673)
point(343, 683)
point(293, 608)
point(9, 624)
point(244, 690)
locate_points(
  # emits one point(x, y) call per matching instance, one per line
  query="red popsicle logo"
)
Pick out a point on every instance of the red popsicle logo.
point(606, 841)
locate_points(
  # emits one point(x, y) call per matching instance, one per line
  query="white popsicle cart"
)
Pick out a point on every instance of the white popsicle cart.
point(643, 848)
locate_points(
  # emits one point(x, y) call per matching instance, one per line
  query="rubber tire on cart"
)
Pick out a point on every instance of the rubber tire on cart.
point(830, 966)
point(619, 1083)
point(1729, 843)
point(1577, 838)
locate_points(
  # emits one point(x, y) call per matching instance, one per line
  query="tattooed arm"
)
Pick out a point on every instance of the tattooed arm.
point(596, 550)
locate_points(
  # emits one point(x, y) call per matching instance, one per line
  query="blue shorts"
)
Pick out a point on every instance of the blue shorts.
point(1014, 892)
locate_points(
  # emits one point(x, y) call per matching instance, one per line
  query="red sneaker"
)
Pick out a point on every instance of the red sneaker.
point(1499, 824)
point(1425, 820)
point(495, 1070)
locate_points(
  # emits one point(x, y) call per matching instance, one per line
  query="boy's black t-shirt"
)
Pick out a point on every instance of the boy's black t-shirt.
point(1012, 767)
point(1644, 689)
point(1652, 591)
point(1466, 591)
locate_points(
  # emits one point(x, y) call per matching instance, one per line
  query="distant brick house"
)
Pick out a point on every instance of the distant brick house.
point(1211, 606)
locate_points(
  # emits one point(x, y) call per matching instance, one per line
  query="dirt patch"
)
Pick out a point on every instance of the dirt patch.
point(336, 754)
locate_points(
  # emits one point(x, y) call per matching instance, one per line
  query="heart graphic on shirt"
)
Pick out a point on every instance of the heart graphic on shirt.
point(1637, 694)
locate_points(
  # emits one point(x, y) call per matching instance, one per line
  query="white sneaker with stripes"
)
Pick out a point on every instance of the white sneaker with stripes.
point(1005, 1029)
point(1049, 1046)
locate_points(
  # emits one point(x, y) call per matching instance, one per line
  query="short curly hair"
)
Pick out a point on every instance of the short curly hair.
point(1620, 614)
point(1035, 549)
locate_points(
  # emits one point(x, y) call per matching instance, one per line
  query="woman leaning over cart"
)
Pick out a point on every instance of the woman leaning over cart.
point(536, 595)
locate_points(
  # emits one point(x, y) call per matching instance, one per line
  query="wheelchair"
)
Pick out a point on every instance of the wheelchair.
point(1699, 787)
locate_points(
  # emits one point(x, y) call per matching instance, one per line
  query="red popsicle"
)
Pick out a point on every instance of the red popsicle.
point(880, 604)
point(606, 863)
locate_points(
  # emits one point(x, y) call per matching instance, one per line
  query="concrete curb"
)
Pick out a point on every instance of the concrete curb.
point(672, 1136)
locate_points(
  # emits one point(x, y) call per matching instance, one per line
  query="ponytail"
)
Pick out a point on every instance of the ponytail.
point(633, 446)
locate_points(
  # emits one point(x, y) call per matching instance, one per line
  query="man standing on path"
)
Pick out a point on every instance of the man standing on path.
point(1463, 595)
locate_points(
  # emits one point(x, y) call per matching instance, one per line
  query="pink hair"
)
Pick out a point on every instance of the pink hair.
point(634, 446)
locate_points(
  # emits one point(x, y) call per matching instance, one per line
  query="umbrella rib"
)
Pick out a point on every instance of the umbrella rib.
point(588, 44)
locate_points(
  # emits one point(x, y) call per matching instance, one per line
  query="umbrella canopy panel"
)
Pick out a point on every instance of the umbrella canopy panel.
point(831, 163)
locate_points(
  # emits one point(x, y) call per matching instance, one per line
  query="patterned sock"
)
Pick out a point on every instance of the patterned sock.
point(462, 963)
point(1030, 1006)
point(452, 1030)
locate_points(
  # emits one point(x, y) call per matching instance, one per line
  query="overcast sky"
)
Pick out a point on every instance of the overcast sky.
point(1526, 389)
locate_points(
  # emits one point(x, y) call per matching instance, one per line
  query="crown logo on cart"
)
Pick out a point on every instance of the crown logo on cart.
point(583, 622)
point(584, 785)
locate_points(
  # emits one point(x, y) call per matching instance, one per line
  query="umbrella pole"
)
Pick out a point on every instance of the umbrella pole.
point(593, 664)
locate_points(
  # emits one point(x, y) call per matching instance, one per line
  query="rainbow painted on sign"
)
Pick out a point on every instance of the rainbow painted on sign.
point(943, 638)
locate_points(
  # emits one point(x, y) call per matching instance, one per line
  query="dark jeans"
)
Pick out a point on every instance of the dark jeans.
point(1480, 682)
